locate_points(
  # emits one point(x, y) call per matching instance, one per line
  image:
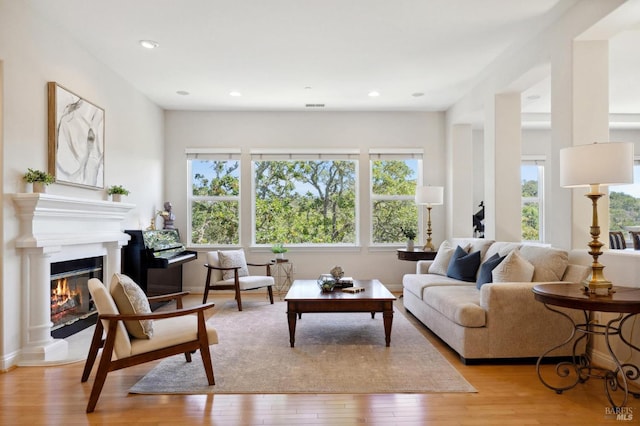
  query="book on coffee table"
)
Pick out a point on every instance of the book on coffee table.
point(353, 289)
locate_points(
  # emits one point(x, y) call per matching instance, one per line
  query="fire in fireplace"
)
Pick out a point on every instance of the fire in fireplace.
point(72, 309)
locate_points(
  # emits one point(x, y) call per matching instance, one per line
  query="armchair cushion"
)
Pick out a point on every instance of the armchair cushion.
point(130, 299)
point(233, 259)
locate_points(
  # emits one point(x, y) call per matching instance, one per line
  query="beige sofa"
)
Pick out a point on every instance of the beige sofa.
point(499, 320)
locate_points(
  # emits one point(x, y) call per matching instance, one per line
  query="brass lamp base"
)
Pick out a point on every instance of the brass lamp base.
point(598, 284)
point(428, 246)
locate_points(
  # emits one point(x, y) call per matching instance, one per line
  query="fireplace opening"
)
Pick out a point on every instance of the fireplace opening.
point(72, 308)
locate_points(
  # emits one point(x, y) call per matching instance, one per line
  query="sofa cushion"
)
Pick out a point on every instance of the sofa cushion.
point(460, 304)
point(514, 268)
point(549, 263)
point(473, 244)
point(501, 248)
point(416, 283)
point(463, 265)
point(442, 259)
point(486, 269)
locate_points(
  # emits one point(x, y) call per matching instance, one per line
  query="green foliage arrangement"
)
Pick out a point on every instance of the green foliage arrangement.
point(117, 189)
point(279, 248)
point(410, 233)
point(624, 210)
point(38, 176)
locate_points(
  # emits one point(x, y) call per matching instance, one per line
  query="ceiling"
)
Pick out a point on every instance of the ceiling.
point(419, 55)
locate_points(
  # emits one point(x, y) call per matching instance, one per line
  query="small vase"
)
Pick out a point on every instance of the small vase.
point(116, 198)
point(39, 187)
point(410, 245)
point(279, 255)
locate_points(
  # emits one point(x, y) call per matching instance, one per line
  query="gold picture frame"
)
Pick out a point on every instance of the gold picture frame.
point(76, 138)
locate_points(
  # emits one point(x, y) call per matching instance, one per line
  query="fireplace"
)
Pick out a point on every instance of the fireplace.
point(72, 309)
point(55, 230)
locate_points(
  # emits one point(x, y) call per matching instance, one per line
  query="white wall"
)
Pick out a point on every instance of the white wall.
point(307, 130)
point(34, 52)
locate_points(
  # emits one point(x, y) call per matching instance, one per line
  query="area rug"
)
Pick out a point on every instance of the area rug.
point(334, 353)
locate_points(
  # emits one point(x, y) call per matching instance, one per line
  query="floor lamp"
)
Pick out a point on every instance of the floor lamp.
point(429, 196)
point(593, 165)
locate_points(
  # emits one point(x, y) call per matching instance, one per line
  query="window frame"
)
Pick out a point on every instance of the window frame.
point(213, 154)
point(390, 154)
point(336, 154)
point(540, 163)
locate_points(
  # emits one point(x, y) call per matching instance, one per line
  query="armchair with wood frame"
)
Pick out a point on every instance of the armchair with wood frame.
point(183, 330)
point(228, 270)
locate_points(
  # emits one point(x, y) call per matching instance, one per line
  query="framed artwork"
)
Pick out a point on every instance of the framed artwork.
point(76, 138)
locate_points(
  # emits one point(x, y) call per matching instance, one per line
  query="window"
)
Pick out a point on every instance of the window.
point(213, 198)
point(306, 198)
point(394, 176)
point(532, 176)
point(624, 202)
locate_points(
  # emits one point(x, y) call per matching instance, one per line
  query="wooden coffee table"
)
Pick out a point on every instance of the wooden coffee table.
point(305, 296)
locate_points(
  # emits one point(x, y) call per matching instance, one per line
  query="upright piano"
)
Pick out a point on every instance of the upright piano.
point(154, 260)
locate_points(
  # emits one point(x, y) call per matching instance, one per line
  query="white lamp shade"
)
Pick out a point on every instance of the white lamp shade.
point(430, 195)
point(608, 163)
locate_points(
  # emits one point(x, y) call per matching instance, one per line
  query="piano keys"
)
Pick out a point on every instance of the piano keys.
point(154, 260)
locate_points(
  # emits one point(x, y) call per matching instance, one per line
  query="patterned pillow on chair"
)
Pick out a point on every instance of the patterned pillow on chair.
point(233, 259)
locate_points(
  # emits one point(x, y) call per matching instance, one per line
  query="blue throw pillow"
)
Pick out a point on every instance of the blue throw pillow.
point(463, 266)
point(487, 267)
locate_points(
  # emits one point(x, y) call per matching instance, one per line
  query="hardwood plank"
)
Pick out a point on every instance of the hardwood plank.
point(507, 395)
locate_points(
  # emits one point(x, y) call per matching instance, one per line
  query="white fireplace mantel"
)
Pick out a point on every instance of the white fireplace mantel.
point(55, 228)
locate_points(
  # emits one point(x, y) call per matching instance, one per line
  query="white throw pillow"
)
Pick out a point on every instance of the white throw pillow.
point(443, 257)
point(514, 268)
point(233, 259)
point(130, 299)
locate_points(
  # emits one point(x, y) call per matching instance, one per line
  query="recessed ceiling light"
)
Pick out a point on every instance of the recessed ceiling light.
point(182, 92)
point(235, 94)
point(417, 94)
point(149, 44)
point(308, 87)
point(533, 97)
point(374, 94)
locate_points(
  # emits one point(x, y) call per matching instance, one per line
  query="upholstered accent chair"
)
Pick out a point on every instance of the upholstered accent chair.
point(163, 334)
point(617, 241)
point(228, 270)
point(635, 237)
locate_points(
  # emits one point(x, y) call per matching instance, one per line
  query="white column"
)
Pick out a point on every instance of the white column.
point(459, 194)
point(590, 124)
point(502, 153)
point(39, 345)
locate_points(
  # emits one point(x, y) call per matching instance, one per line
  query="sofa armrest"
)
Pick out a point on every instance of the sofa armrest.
point(515, 317)
point(422, 266)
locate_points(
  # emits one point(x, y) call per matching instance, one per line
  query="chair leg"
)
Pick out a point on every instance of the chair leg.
point(270, 290)
point(207, 286)
point(103, 367)
point(96, 344)
point(237, 286)
point(187, 356)
point(204, 349)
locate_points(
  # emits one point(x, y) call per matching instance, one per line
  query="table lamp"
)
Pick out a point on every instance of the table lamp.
point(592, 165)
point(429, 196)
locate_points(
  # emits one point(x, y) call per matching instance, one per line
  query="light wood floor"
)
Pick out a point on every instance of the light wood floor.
point(507, 395)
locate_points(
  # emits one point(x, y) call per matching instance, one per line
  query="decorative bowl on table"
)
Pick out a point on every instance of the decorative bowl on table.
point(327, 283)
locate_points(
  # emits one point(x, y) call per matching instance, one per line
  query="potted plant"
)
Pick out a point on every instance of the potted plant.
point(279, 249)
point(39, 179)
point(116, 192)
point(410, 234)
